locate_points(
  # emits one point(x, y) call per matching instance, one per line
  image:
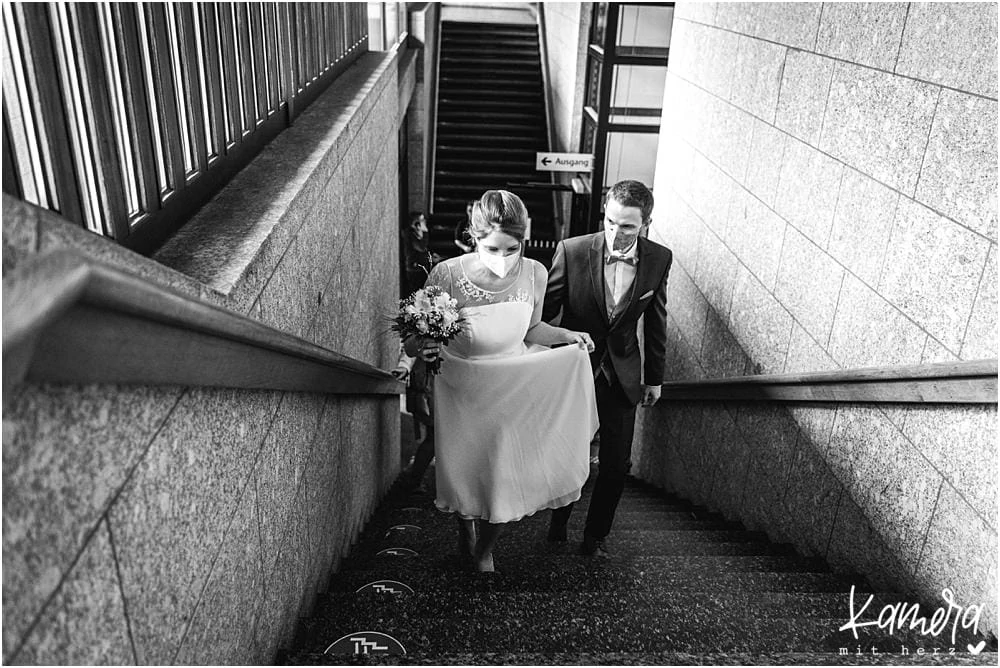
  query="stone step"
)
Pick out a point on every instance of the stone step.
point(621, 629)
point(575, 573)
point(658, 659)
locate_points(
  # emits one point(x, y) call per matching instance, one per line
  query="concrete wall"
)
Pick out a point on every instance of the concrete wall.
point(567, 32)
point(190, 525)
point(827, 179)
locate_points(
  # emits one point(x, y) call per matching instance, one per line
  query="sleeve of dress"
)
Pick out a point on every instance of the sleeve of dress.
point(441, 277)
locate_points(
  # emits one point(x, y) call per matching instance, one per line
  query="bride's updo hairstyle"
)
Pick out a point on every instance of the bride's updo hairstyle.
point(499, 211)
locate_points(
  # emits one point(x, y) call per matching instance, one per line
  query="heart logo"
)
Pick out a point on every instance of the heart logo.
point(978, 648)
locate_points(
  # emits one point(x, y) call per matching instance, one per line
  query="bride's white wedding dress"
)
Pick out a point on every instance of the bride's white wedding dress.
point(513, 421)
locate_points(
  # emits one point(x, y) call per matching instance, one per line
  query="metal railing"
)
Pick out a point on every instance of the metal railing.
point(127, 117)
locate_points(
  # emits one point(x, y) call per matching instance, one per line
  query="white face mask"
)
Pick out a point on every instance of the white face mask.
point(499, 264)
point(610, 233)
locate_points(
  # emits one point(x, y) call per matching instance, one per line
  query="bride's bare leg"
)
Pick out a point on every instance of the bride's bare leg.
point(466, 538)
point(488, 535)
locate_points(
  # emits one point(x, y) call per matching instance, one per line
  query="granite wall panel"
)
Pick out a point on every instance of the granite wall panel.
point(716, 274)
point(171, 516)
point(767, 151)
point(932, 270)
point(223, 626)
point(981, 334)
point(805, 87)
point(808, 284)
point(959, 174)
point(48, 517)
point(755, 234)
point(760, 324)
point(954, 45)
point(85, 623)
point(879, 123)
point(807, 191)
point(958, 530)
point(868, 331)
point(866, 33)
point(888, 478)
point(861, 232)
point(204, 490)
point(757, 77)
point(862, 224)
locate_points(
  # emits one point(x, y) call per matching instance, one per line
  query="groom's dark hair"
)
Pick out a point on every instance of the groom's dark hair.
point(633, 193)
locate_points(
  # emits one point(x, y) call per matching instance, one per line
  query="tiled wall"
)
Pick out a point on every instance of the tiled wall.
point(191, 525)
point(827, 179)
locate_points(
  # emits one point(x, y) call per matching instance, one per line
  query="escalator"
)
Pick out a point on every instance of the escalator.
point(490, 123)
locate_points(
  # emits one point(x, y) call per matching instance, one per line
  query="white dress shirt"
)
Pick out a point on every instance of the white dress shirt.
point(619, 275)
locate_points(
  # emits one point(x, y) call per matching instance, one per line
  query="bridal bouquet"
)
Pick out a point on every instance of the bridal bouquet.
point(430, 313)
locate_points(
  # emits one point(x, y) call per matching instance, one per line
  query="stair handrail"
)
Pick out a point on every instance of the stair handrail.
point(543, 53)
point(68, 318)
point(964, 382)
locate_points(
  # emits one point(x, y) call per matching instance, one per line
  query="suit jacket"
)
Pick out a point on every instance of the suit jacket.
point(576, 288)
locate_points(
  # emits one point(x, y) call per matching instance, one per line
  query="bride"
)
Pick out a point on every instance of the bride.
point(513, 418)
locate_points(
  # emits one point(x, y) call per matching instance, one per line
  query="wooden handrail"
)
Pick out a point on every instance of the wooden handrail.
point(972, 382)
point(68, 318)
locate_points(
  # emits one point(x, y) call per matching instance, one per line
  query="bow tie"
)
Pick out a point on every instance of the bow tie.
point(631, 261)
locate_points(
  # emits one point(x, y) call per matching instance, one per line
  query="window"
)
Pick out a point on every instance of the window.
point(126, 117)
point(626, 74)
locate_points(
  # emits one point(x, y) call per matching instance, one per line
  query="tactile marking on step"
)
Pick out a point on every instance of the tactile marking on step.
point(397, 552)
point(402, 528)
point(371, 643)
point(410, 509)
point(385, 587)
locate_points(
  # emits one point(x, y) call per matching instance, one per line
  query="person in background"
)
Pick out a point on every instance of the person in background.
point(419, 399)
point(462, 238)
point(417, 259)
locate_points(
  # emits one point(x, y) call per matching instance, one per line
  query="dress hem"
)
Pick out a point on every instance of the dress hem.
point(548, 506)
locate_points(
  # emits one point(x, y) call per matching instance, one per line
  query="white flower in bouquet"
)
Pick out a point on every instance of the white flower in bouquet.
point(430, 313)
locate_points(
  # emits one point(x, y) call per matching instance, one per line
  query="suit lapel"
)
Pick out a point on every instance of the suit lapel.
point(596, 256)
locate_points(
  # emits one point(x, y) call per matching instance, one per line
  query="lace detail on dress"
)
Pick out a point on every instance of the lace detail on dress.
point(472, 291)
point(521, 295)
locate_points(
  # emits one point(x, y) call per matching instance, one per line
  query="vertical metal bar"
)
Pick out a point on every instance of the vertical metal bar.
point(211, 80)
point(47, 108)
point(81, 150)
point(166, 94)
point(11, 180)
point(99, 114)
point(245, 65)
point(229, 69)
point(137, 104)
point(273, 57)
point(123, 122)
point(290, 49)
point(181, 88)
point(194, 85)
point(259, 64)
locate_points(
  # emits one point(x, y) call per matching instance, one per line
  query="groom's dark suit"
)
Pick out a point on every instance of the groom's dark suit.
point(577, 288)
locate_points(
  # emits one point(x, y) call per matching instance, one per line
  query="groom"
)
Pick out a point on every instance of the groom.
point(602, 283)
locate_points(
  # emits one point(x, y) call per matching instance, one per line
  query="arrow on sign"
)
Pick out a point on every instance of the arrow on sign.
point(546, 161)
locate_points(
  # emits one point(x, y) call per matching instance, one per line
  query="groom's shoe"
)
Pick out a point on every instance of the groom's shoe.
point(593, 547)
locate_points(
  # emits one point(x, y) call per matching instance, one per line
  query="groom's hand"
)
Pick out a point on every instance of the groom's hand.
point(650, 395)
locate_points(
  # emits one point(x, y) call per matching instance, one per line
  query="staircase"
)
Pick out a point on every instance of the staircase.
point(683, 586)
point(490, 123)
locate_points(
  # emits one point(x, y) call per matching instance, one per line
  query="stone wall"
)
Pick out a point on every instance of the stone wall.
point(194, 525)
point(827, 179)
